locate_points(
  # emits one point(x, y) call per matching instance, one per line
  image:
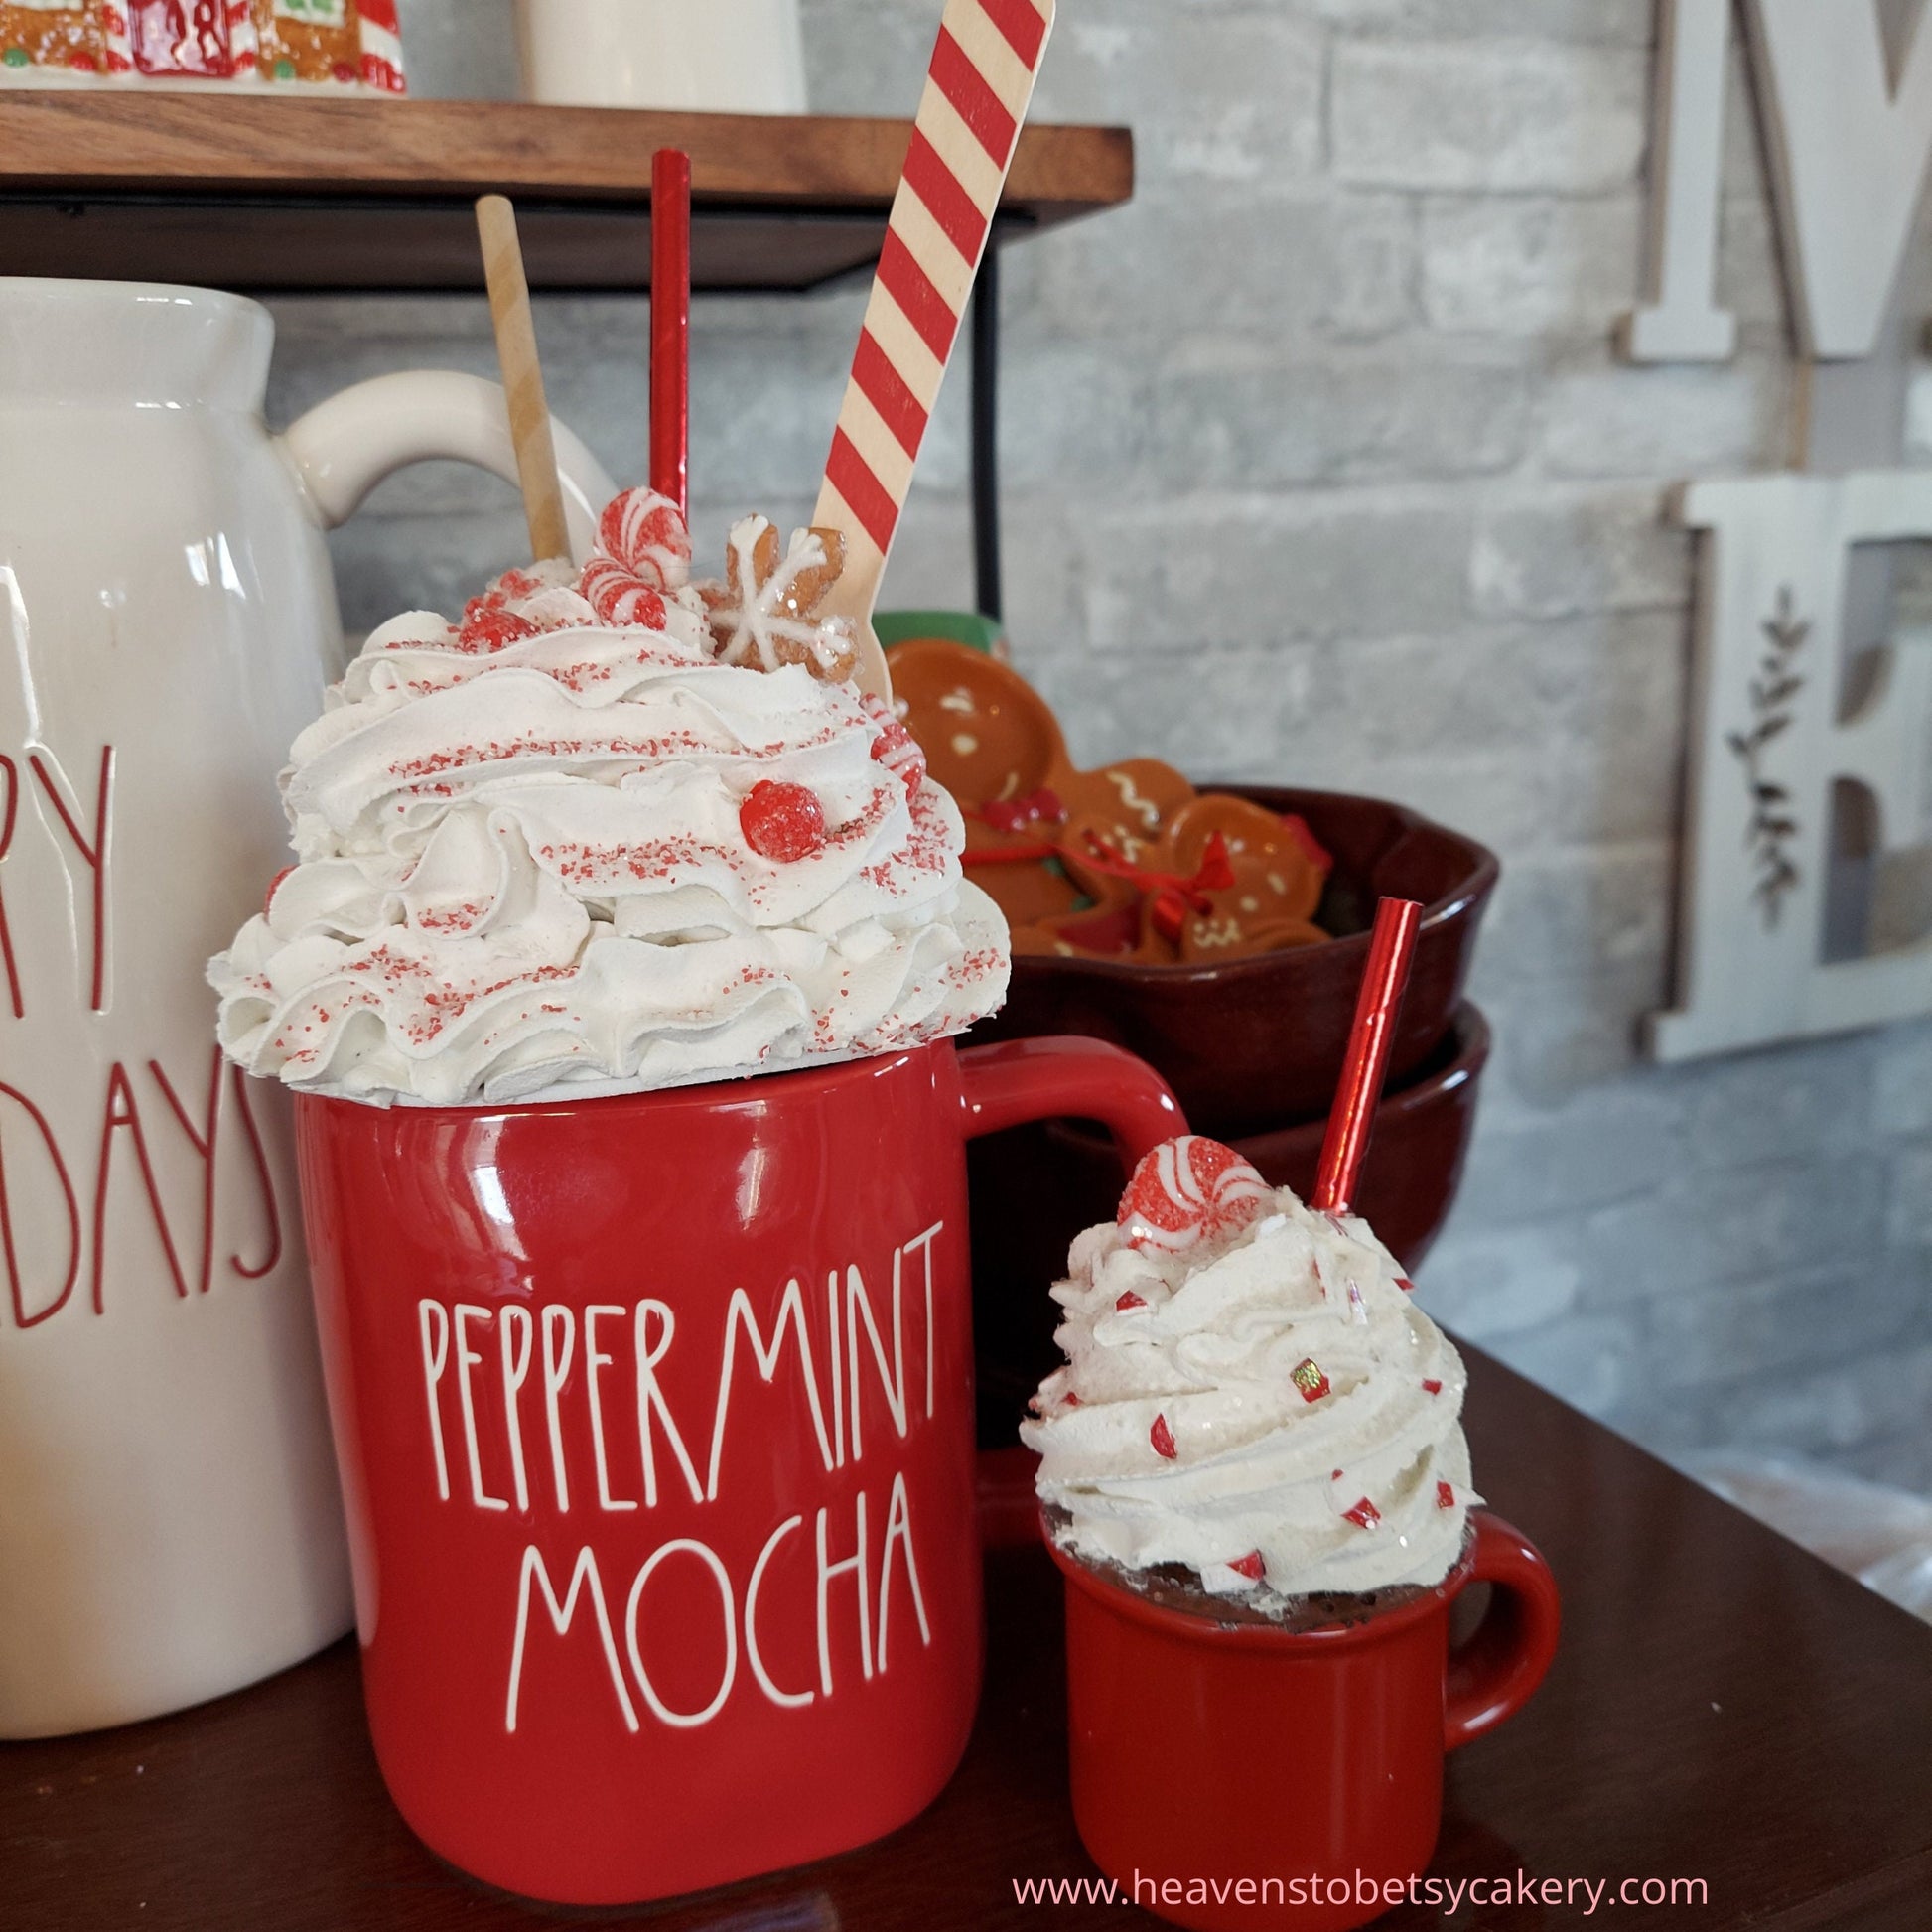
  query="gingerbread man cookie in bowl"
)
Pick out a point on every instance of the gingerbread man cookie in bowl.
point(1125, 862)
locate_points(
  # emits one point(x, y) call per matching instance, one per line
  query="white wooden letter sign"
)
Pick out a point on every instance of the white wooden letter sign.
point(1767, 745)
point(1848, 137)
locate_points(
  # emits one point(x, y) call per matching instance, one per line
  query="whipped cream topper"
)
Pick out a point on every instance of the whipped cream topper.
point(561, 849)
point(1250, 1391)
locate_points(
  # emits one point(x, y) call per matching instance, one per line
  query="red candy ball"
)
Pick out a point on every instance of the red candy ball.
point(782, 822)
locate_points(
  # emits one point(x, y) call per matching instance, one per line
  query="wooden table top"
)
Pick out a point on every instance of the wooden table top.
point(1724, 1708)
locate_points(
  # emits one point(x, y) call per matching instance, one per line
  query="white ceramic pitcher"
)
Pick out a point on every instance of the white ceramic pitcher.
point(170, 1526)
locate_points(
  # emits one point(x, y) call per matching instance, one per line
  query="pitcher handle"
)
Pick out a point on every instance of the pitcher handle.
point(343, 447)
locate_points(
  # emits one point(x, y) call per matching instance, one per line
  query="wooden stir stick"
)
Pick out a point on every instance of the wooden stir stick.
point(517, 357)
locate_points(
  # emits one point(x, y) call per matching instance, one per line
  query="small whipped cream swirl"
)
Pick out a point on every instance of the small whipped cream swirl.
point(527, 869)
point(1267, 1407)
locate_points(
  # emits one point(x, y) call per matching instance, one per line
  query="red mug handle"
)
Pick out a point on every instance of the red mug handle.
point(1495, 1672)
point(1021, 1080)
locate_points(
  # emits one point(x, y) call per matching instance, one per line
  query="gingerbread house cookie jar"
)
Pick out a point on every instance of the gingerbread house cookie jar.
point(327, 45)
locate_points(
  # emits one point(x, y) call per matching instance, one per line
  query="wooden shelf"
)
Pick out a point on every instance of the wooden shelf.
point(247, 192)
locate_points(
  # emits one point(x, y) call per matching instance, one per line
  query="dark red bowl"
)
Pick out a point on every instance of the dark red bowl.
point(1034, 1189)
point(1257, 1042)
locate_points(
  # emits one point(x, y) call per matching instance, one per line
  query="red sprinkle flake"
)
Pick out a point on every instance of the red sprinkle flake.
point(269, 898)
point(1162, 1436)
point(1433, 1387)
point(1309, 1379)
point(781, 821)
point(1072, 1400)
point(1405, 1284)
point(1129, 1302)
point(1364, 1515)
point(1445, 1496)
point(1250, 1565)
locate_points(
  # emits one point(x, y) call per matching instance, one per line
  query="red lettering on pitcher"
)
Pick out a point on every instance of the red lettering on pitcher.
point(93, 854)
point(121, 1114)
point(124, 1135)
point(263, 1177)
point(22, 1319)
point(204, 1143)
point(11, 773)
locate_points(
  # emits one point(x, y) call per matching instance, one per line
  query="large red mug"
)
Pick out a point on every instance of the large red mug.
point(654, 1417)
point(1242, 1777)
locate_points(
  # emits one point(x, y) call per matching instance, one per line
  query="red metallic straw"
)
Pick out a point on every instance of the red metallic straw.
point(670, 325)
point(1391, 948)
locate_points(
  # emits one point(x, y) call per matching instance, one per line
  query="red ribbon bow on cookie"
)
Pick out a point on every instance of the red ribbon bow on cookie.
point(1171, 897)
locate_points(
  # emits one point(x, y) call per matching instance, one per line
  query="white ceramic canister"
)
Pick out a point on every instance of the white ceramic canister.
point(170, 1527)
point(724, 57)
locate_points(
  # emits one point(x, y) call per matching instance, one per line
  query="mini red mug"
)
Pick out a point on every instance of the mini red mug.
point(1234, 1775)
point(654, 1415)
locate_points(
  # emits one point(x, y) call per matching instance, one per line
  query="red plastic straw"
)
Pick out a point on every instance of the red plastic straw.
point(670, 325)
point(1391, 950)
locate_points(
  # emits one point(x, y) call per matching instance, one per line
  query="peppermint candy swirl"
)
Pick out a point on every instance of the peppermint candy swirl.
point(1188, 1191)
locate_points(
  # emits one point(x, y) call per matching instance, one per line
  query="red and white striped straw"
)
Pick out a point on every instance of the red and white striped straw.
point(976, 97)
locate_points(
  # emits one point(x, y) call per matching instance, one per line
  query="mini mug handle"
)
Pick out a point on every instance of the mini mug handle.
point(1495, 1672)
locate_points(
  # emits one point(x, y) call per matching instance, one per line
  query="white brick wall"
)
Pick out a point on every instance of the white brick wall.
point(1320, 470)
